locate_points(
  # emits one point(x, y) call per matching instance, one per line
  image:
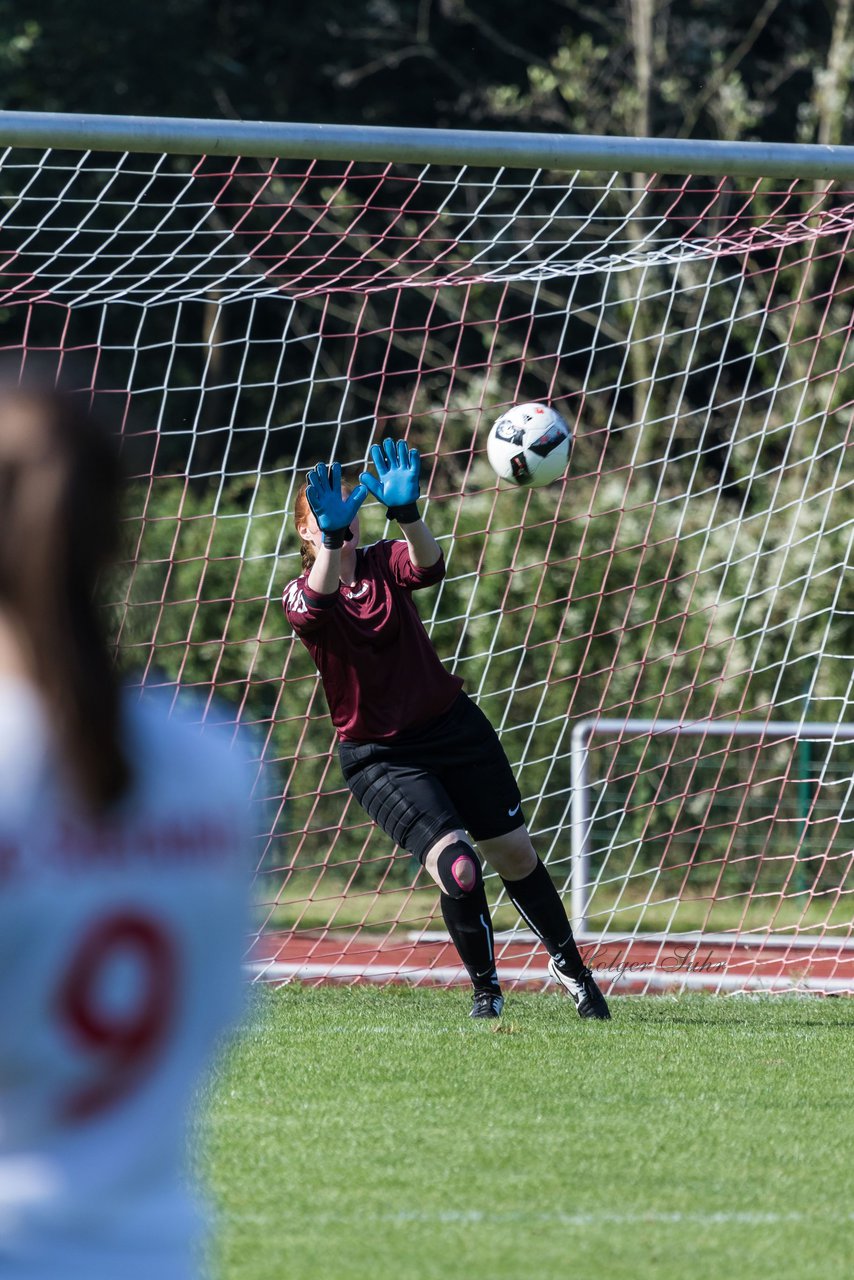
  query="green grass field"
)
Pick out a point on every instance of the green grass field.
point(361, 1134)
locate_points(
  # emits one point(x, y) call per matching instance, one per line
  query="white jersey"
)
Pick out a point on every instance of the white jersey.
point(120, 949)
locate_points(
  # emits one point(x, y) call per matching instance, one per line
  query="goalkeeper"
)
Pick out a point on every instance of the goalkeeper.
point(420, 757)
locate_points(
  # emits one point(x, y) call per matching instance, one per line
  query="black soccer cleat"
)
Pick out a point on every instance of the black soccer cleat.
point(587, 997)
point(487, 1004)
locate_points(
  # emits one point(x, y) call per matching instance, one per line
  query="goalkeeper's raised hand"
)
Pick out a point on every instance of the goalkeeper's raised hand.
point(397, 483)
point(333, 512)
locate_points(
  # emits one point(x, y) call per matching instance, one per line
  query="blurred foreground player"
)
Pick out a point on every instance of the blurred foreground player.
point(123, 888)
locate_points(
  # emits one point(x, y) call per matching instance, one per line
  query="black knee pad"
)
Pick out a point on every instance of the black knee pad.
point(459, 871)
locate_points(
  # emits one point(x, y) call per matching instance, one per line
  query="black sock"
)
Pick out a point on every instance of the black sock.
point(470, 926)
point(539, 903)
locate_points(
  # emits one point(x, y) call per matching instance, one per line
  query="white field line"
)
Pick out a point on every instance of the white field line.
point(304, 970)
point(753, 941)
point(469, 1217)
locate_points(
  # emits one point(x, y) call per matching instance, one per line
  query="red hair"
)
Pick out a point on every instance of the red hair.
point(302, 511)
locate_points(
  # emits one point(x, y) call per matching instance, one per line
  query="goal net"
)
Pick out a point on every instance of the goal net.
point(248, 317)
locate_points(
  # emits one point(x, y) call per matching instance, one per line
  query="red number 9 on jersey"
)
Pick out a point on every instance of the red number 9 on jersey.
point(121, 1046)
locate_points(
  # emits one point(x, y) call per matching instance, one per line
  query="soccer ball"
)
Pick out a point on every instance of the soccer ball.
point(529, 445)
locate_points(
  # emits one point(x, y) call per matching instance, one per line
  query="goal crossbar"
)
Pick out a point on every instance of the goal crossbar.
point(555, 151)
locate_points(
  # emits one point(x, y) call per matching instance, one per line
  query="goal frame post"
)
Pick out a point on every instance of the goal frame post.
point(581, 819)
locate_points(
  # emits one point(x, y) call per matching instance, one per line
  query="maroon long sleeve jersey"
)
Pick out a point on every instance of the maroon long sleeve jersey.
point(380, 672)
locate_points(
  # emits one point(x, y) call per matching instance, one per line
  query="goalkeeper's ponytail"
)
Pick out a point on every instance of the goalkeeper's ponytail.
point(59, 523)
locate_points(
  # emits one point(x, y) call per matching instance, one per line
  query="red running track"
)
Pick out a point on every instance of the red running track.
point(632, 965)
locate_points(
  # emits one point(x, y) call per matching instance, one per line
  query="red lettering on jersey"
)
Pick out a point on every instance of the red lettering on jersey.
point(119, 1047)
point(165, 842)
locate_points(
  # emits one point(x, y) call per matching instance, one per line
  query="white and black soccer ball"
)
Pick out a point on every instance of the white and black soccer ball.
point(529, 445)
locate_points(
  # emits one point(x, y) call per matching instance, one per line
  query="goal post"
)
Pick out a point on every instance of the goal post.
point(249, 297)
point(787, 842)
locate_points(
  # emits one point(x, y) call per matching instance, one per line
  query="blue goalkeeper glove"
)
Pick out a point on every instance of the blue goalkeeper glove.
point(397, 482)
point(333, 513)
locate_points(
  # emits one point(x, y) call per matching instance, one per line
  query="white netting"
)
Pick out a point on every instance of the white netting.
point(249, 318)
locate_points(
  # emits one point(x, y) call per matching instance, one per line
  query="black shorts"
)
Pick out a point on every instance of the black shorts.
point(450, 773)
